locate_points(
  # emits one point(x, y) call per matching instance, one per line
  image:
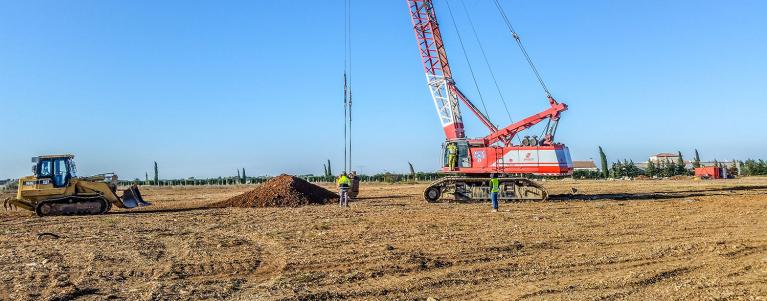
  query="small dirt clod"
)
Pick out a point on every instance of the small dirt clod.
point(282, 191)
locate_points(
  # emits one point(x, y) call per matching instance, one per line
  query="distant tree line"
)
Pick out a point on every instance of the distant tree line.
point(9, 185)
point(753, 167)
point(386, 177)
point(588, 174)
point(197, 182)
point(662, 169)
point(619, 169)
point(627, 168)
point(241, 178)
point(381, 177)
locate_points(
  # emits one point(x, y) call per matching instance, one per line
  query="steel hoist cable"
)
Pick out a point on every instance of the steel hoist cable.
point(489, 67)
point(466, 55)
point(518, 39)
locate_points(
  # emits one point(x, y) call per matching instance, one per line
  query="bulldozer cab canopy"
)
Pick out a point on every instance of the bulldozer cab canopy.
point(66, 156)
point(59, 168)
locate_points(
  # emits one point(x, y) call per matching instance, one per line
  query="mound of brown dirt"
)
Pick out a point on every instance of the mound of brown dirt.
point(282, 191)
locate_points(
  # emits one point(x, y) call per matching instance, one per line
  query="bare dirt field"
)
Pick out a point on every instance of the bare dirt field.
point(642, 240)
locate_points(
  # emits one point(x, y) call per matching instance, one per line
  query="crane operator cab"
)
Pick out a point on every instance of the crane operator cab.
point(456, 151)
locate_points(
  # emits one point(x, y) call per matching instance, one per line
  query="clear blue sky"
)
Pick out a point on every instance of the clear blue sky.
point(206, 87)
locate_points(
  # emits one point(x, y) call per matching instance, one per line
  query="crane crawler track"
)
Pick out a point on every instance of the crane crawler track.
point(476, 189)
point(73, 205)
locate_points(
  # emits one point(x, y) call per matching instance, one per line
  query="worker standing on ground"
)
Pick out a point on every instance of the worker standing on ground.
point(343, 190)
point(452, 156)
point(494, 190)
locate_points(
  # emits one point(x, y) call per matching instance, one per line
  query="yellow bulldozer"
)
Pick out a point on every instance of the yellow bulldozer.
point(55, 189)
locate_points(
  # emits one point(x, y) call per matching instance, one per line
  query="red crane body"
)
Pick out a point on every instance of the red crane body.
point(494, 153)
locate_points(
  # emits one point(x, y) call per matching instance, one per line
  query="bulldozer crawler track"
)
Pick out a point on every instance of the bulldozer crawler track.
point(475, 189)
point(73, 205)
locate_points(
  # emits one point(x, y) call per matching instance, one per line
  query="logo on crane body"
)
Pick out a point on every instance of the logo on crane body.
point(528, 157)
point(479, 155)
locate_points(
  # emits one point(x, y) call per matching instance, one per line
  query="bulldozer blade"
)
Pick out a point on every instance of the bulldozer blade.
point(132, 198)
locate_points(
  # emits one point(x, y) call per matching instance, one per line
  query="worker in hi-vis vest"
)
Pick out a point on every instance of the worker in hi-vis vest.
point(494, 190)
point(452, 156)
point(343, 190)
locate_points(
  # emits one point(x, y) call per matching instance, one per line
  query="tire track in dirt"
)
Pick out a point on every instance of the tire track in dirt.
point(244, 262)
point(643, 283)
point(152, 261)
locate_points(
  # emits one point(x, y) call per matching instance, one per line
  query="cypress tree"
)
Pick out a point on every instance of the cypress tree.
point(244, 178)
point(661, 167)
point(156, 174)
point(681, 169)
point(617, 170)
point(651, 169)
point(146, 174)
point(732, 170)
point(633, 170)
point(696, 160)
point(330, 171)
point(671, 169)
point(603, 159)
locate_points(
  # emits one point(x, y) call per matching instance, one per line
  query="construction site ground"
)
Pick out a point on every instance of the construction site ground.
point(606, 240)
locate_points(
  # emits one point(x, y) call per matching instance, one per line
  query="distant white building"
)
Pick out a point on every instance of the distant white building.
point(726, 164)
point(664, 158)
point(5, 183)
point(585, 165)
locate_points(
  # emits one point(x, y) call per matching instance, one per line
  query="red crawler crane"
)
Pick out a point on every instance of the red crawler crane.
point(495, 153)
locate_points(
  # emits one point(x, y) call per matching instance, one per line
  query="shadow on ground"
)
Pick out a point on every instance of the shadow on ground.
point(654, 195)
